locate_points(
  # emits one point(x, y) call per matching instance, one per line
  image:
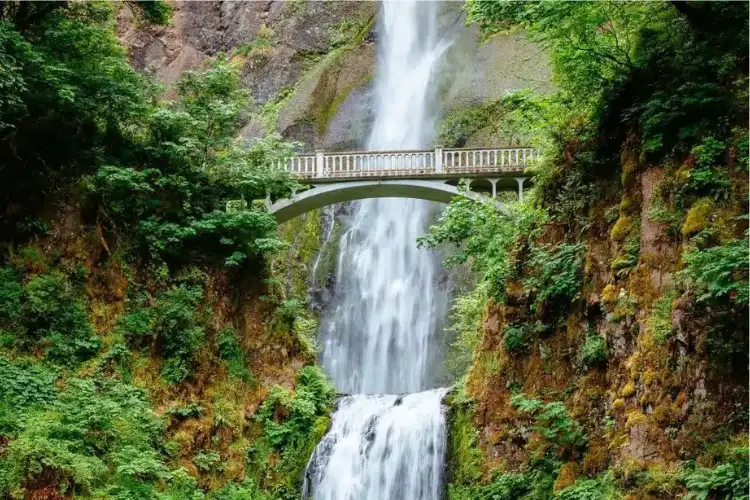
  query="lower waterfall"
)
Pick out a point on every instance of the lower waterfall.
point(381, 447)
point(378, 334)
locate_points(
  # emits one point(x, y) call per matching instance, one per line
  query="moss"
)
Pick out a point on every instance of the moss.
point(698, 217)
point(618, 404)
point(464, 456)
point(635, 417)
point(622, 229)
point(596, 457)
point(628, 390)
point(627, 205)
point(567, 476)
point(325, 114)
point(649, 377)
point(609, 295)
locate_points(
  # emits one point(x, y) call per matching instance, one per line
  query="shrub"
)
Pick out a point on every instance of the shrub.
point(593, 352)
point(10, 295)
point(556, 273)
point(207, 461)
point(552, 422)
point(518, 337)
point(514, 338)
point(599, 488)
point(172, 324)
point(48, 314)
point(94, 432)
point(725, 481)
point(486, 237)
point(719, 273)
point(157, 12)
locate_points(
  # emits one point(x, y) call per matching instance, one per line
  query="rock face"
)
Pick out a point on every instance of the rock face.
point(309, 64)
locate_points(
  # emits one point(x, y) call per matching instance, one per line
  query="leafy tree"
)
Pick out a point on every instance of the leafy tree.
point(67, 81)
point(484, 236)
point(193, 166)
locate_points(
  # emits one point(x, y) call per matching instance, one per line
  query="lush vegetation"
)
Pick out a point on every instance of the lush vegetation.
point(648, 96)
point(123, 376)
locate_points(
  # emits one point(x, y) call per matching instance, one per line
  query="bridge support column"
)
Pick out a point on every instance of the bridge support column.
point(268, 200)
point(494, 187)
point(520, 181)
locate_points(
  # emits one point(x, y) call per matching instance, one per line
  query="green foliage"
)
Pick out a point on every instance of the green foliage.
point(725, 481)
point(97, 438)
point(719, 274)
point(191, 154)
point(593, 352)
point(532, 484)
point(10, 294)
point(46, 313)
point(172, 325)
point(466, 318)
point(288, 310)
point(157, 12)
point(66, 78)
point(231, 352)
point(599, 488)
point(552, 422)
point(590, 44)
point(660, 322)
point(248, 489)
point(192, 410)
point(294, 423)
point(484, 236)
point(517, 337)
point(312, 398)
point(556, 273)
point(207, 461)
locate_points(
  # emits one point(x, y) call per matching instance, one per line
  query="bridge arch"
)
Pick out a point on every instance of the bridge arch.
point(327, 194)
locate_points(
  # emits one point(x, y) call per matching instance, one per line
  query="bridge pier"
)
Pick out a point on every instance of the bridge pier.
point(494, 187)
point(520, 181)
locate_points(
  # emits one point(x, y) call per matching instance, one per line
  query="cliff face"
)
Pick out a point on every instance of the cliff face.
point(627, 381)
point(309, 64)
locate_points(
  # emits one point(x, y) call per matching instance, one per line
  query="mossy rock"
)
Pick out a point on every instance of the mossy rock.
point(698, 217)
point(628, 390)
point(622, 229)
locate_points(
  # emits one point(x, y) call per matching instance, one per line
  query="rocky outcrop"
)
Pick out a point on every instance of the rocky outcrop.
point(310, 64)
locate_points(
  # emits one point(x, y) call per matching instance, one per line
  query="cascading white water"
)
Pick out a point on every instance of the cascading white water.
point(382, 447)
point(377, 337)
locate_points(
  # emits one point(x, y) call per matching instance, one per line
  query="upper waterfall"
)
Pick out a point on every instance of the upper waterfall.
point(376, 337)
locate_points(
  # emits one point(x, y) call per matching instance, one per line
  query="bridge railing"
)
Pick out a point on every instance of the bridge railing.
point(409, 163)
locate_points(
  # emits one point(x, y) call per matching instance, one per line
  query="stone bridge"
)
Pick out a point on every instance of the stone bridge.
point(424, 174)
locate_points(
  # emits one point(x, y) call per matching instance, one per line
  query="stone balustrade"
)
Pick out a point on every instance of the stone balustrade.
point(444, 163)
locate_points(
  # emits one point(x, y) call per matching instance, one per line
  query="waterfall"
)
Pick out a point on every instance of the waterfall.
point(377, 338)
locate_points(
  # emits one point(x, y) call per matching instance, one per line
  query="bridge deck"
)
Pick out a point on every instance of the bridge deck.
point(438, 163)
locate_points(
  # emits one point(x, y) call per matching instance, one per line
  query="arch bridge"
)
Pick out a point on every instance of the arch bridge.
point(423, 174)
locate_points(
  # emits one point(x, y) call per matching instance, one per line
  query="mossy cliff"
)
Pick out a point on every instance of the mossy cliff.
point(610, 357)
